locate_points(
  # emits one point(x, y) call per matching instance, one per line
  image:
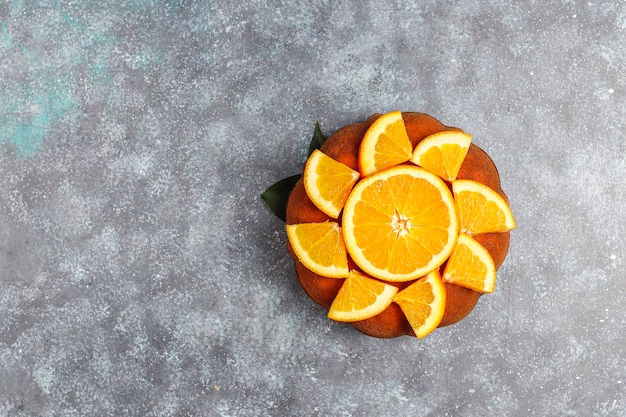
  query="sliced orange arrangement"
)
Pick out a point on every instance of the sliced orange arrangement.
point(403, 217)
point(481, 209)
point(320, 247)
point(400, 224)
point(443, 153)
point(423, 303)
point(471, 266)
point(361, 297)
point(328, 183)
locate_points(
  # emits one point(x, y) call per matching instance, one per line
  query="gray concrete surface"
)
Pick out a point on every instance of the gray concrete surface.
point(141, 275)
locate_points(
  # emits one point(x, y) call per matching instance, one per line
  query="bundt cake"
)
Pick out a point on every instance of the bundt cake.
point(347, 147)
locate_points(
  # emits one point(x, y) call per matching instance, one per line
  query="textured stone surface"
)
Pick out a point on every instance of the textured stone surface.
point(141, 275)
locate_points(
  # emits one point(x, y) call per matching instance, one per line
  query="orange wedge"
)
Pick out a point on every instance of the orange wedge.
point(471, 266)
point(481, 209)
point(400, 224)
point(423, 303)
point(385, 144)
point(442, 153)
point(361, 297)
point(320, 248)
point(328, 182)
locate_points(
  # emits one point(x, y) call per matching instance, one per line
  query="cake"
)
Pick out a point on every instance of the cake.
point(345, 146)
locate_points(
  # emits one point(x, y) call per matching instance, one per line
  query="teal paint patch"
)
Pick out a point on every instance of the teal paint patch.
point(5, 38)
point(38, 87)
point(29, 111)
point(42, 88)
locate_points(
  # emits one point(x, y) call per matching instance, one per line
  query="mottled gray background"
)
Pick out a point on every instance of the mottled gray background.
point(141, 274)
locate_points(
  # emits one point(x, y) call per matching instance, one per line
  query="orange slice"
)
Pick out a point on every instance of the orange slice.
point(442, 153)
point(481, 209)
point(385, 144)
point(361, 297)
point(320, 248)
point(471, 266)
point(423, 303)
point(328, 182)
point(400, 224)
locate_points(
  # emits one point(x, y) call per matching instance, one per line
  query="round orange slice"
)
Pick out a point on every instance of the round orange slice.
point(481, 209)
point(328, 182)
point(361, 297)
point(384, 145)
point(423, 303)
point(400, 224)
point(443, 153)
point(320, 248)
point(471, 266)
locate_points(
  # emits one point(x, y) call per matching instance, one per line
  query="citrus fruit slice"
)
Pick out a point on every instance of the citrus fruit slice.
point(470, 266)
point(361, 297)
point(400, 224)
point(320, 248)
point(423, 303)
point(328, 182)
point(385, 144)
point(443, 153)
point(481, 209)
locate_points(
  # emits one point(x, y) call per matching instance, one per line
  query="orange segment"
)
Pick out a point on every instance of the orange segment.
point(400, 224)
point(328, 182)
point(361, 297)
point(471, 266)
point(423, 303)
point(320, 248)
point(385, 144)
point(443, 153)
point(481, 209)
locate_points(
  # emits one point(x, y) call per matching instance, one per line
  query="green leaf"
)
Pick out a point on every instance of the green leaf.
point(317, 140)
point(277, 194)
